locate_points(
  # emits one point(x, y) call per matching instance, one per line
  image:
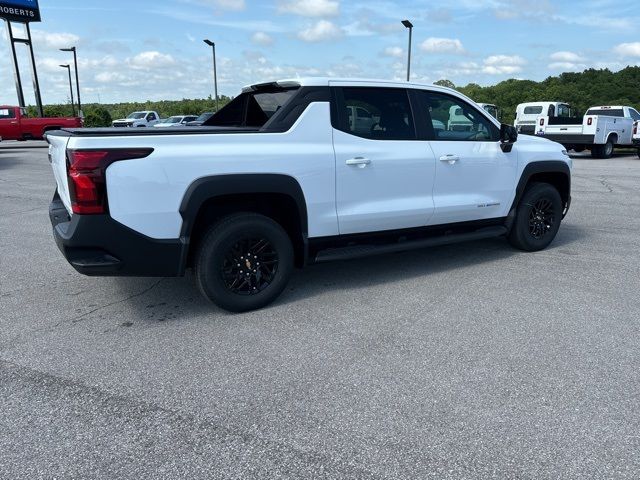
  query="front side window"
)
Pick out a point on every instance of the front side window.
point(151, 117)
point(376, 113)
point(454, 119)
point(564, 111)
point(634, 114)
point(7, 113)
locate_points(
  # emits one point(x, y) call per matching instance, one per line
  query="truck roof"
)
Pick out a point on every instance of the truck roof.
point(529, 104)
point(607, 107)
point(324, 81)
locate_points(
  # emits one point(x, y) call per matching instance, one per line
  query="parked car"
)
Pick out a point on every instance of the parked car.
point(601, 130)
point(175, 121)
point(138, 119)
point(527, 114)
point(201, 119)
point(281, 177)
point(15, 124)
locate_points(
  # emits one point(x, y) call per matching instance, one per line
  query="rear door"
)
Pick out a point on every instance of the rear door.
point(384, 174)
point(475, 179)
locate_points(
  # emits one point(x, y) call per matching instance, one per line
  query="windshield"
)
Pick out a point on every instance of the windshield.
point(137, 115)
point(173, 120)
point(252, 109)
point(204, 117)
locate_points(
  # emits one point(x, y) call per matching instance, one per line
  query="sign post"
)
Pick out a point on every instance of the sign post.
point(25, 12)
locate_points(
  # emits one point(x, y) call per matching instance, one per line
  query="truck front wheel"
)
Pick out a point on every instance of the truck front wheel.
point(244, 262)
point(538, 217)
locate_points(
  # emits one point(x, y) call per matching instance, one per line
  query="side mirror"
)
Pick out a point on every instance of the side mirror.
point(508, 136)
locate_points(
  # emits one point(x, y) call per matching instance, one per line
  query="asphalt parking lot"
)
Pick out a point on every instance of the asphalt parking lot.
point(467, 361)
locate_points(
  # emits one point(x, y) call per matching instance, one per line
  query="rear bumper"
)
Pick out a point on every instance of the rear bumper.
point(98, 245)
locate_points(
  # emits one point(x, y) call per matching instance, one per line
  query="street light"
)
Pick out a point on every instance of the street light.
point(75, 63)
point(215, 75)
point(409, 25)
point(73, 109)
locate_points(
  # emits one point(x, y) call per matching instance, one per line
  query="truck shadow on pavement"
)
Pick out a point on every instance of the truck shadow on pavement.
point(175, 298)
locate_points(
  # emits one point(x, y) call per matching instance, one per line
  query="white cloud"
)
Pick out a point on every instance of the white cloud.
point(503, 64)
point(442, 45)
point(261, 38)
point(311, 8)
point(569, 57)
point(54, 41)
point(230, 4)
point(628, 49)
point(151, 60)
point(321, 31)
point(395, 52)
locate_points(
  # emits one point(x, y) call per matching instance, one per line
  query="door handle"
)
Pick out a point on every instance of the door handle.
point(358, 162)
point(451, 159)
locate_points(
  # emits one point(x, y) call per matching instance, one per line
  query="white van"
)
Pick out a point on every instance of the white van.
point(528, 113)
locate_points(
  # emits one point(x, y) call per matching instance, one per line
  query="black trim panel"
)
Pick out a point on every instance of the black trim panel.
point(99, 245)
point(208, 188)
point(551, 166)
point(573, 139)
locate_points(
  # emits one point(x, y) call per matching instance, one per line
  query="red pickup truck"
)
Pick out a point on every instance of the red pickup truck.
point(15, 124)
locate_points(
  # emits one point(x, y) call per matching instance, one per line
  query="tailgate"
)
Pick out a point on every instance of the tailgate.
point(58, 159)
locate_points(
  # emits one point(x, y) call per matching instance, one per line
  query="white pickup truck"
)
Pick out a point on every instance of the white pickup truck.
point(528, 114)
point(282, 176)
point(138, 119)
point(601, 130)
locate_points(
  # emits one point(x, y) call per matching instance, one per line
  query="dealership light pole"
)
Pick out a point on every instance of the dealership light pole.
point(409, 25)
point(75, 64)
point(73, 108)
point(215, 75)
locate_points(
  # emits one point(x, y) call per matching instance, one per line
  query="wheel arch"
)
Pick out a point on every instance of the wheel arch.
point(277, 196)
point(555, 172)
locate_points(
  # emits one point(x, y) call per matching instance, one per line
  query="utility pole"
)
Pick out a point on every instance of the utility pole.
point(408, 25)
point(215, 75)
point(75, 64)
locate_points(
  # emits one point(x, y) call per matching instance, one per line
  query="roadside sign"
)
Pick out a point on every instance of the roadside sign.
point(20, 10)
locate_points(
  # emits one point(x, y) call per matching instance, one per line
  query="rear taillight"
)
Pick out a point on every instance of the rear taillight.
point(86, 173)
point(635, 128)
point(542, 122)
point(589, 121)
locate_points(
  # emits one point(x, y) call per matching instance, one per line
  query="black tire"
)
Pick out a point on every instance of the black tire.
point(603, 151)
point(638, 152)
point(578, 148)
point(242, 284)
point(538, 217)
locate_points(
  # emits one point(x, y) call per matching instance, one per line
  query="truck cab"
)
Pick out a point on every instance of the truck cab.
point(527, 114)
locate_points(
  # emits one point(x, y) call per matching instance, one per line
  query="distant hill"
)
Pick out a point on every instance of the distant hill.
point(581, 90)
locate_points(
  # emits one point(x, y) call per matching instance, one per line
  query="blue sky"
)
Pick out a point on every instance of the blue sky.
point(152, 49)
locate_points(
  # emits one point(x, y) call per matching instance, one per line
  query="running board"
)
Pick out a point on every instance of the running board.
point(359, 251)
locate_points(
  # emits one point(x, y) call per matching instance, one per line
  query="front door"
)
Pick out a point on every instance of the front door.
point(384, 175)
point(475, 179)
point(9, 125)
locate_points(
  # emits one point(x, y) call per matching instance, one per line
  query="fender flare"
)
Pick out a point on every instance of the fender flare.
point(533, 168)
point(206, 188)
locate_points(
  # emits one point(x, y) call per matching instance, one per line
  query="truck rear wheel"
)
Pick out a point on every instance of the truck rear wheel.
point(603, 151)
point(244, 262)
point(538, 217)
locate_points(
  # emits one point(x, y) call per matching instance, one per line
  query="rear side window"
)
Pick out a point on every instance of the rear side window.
point(7, 113)
point(375, 113)
point(609, 112)
point(534, 110)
